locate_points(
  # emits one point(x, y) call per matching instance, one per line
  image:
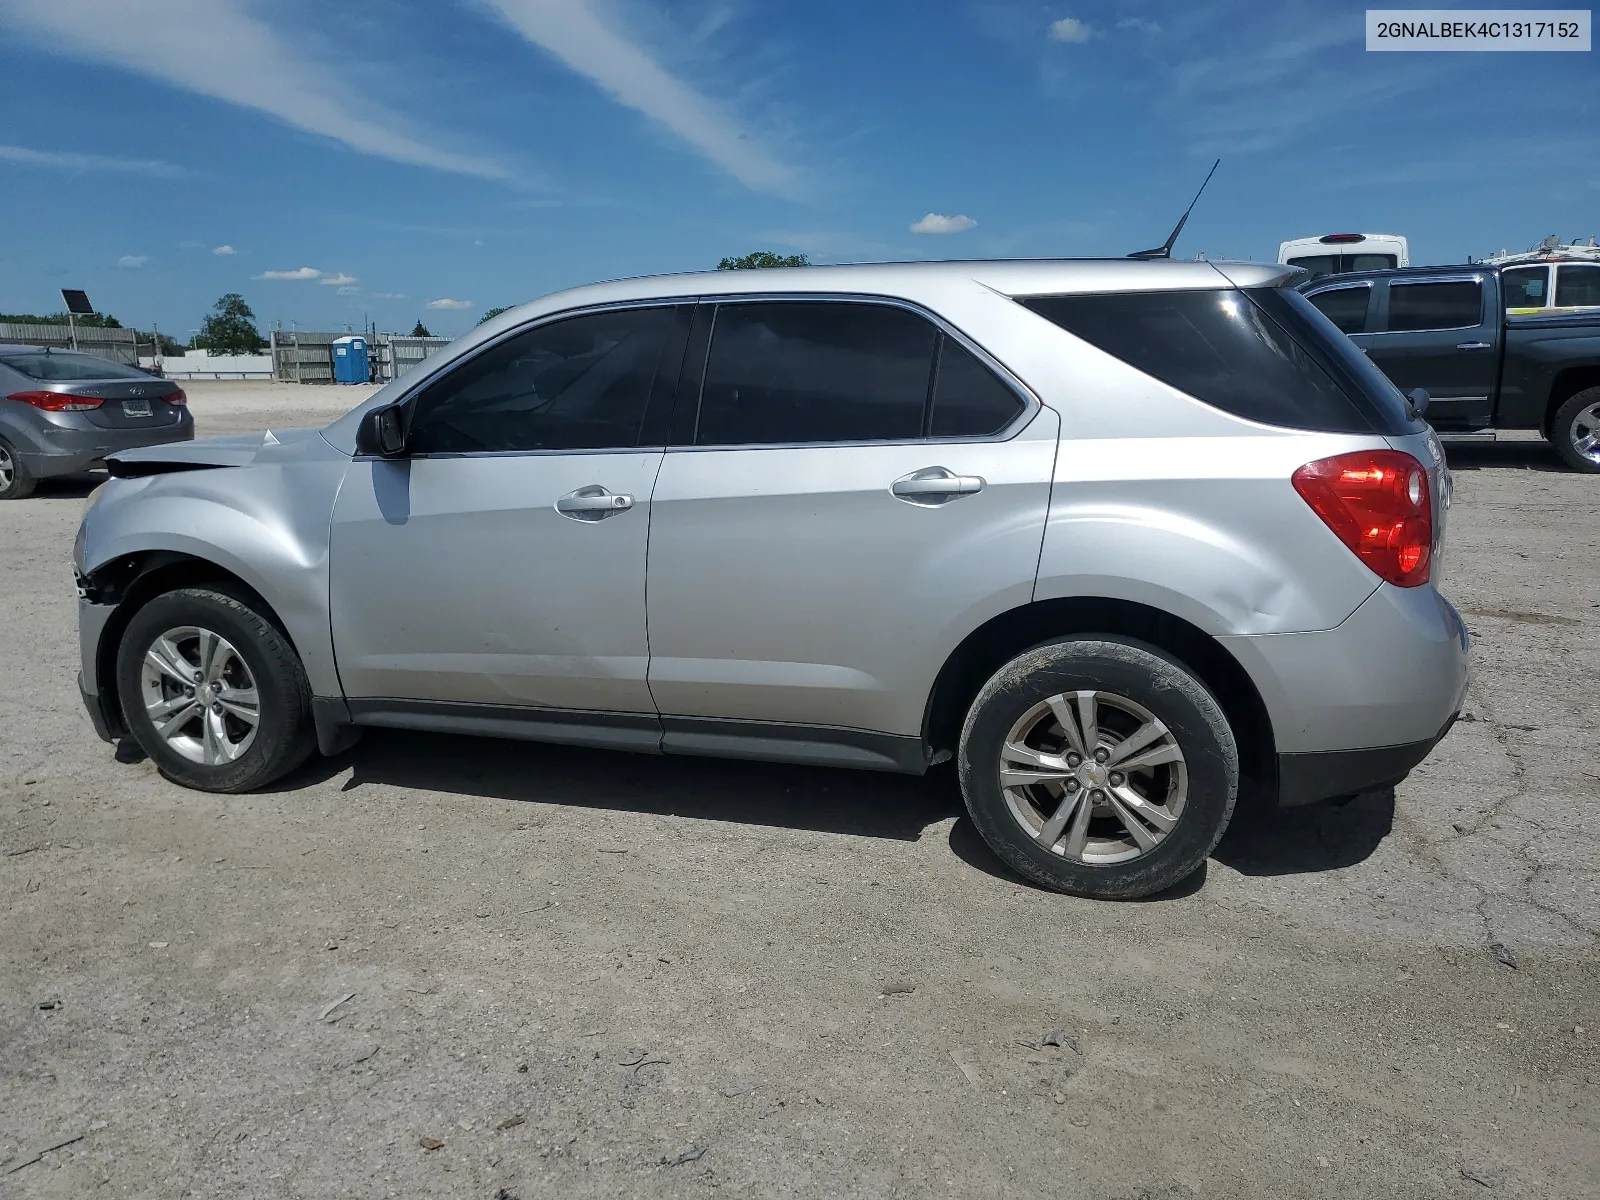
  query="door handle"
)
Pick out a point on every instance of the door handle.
point(933, 486)
point(1473, 345)
point(592, 503)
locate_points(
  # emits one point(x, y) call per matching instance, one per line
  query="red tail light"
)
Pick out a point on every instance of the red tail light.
point(177, 397)
point(58, 401)
point(1379, 504)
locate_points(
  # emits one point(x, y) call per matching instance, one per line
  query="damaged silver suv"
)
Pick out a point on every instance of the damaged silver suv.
point(1113, 535)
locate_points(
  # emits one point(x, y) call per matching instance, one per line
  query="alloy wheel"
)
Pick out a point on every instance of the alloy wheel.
point(200, 695)
point(1585, 433)
point(8, 469)
point(1093, 777)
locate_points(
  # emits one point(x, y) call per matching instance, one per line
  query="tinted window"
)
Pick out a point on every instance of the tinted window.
point(815, 371)
point(969, 400)
point(578, 384)
point(1368, 262)
point(1318, 264)
point(68, 365)
point(1345, 307)
point(1577, 284)
point(1415, 306)
point(1219, 347)
point(1524, 286)
point(1336, 264)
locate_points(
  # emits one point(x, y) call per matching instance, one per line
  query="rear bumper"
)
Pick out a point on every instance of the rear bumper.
point(51, 449)
point(1308, 778)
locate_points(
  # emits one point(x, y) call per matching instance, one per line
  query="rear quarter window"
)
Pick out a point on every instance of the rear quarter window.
point(1266, 355)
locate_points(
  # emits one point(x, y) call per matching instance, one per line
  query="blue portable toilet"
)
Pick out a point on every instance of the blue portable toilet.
point(350, 360)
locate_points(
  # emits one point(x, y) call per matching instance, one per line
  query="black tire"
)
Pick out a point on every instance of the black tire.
point(1573, 422)
point(283, 735)
point(1143, 678)
point(16, 483)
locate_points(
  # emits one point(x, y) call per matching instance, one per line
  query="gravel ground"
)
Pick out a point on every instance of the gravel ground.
point(573, 973)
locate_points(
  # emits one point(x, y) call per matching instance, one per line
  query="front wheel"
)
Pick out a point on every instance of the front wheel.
point(1099, 767)
point(213, 692)
point(1575, 431)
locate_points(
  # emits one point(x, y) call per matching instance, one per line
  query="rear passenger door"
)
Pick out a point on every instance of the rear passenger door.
point(1441, 333)
point(853, 489)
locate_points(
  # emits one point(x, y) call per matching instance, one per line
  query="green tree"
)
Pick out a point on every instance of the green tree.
point(230, 329)
point(87, 321)
point(763, 258)
point(493, 313)
point(421, 330)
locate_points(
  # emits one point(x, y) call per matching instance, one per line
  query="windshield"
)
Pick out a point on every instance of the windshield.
point(68, 366)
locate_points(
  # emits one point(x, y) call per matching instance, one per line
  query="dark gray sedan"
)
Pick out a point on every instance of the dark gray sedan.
point(62, 412)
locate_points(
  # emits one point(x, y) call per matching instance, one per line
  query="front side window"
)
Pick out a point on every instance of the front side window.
point(815, 371)
point(1345, 307)
point(1577, 285)
point(578, 384)
point(1445, 304)
point(1524, 287)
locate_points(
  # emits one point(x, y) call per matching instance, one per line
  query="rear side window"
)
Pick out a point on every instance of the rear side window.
point(1445, 304)
point(1345, 307)
point(968, 399)
point(1218, 347)
point(815, 371)
point(1577, 284)
point(68, 366)
point(1524, 287)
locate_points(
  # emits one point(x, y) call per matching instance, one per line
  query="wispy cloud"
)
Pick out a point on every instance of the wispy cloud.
point(132, 262)
point(1070, 29)
point(388, 295)
point(939, 223)
point(297, 273)
point(68, 161)
point(1139, 24)
point(575, 32)
point(338, 281)
point(213, 47)
point(447, 303)
point(223, 251)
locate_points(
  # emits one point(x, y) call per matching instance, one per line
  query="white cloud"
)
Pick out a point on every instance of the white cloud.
point(446, 302)
point(132, 262)
point(223, 250)
point(213, 47)
point(573, 31)
point(388, 295)
point(68, 161)
point(939, 223)
point(1070, 29)
point(346, 291)
point(297, 273)
point(337, 280)
point(1140, 24)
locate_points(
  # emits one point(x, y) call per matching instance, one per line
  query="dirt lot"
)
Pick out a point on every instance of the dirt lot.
point(597, 974)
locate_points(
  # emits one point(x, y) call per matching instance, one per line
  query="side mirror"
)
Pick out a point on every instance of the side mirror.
point(382, 433)
point(1418, 399)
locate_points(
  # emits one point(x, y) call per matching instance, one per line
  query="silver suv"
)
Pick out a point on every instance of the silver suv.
point(1116, 536)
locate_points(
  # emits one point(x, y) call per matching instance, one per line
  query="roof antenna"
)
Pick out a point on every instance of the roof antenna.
point(1165, 251)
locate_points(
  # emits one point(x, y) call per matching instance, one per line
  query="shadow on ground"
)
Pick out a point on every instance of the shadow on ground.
point(866, 803)
point(1474, 456)
point(69, 487)
point(1261, 840)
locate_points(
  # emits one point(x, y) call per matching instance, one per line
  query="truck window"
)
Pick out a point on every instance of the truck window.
point(1524, 287)
point(1346, 307)
point(1435, 304)
point(1336, 264)
point(1577, 285)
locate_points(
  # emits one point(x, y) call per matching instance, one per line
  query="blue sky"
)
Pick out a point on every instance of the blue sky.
point(433, 158)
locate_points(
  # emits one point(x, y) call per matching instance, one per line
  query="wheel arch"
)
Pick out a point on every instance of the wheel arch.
point(1564, 387)
point(130, 581)
point(1003, 637)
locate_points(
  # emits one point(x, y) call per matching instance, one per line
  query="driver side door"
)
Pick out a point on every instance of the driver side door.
point(492, 578)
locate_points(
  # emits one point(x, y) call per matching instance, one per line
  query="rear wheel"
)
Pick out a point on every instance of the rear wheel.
point(1575, 431)
point(15, 481)
point(213, 692)
point(1099, 767)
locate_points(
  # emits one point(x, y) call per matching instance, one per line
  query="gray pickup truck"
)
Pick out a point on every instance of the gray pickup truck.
point(1445, 329)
